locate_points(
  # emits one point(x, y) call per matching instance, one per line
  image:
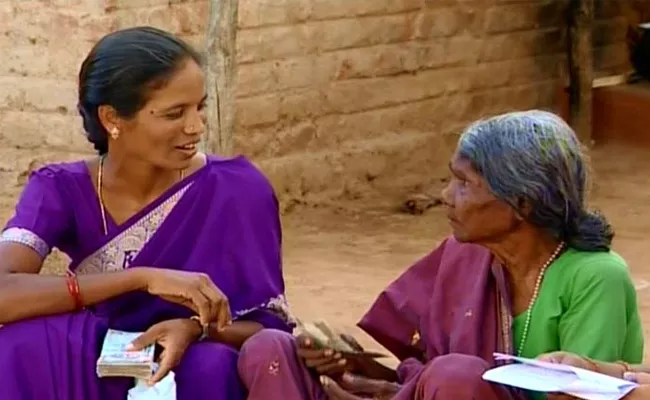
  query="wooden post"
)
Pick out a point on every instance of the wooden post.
point(581, 69)
point(220, 50)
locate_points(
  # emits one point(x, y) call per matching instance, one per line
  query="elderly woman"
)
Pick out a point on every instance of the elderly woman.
point(163, 239)
point(528, 270)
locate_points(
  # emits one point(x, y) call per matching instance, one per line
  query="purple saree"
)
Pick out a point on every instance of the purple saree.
point(222, 220)
point(441, 318)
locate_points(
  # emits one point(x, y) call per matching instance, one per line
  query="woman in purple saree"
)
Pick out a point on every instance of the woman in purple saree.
point(203, 237)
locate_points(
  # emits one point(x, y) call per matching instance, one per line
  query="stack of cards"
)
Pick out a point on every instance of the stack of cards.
point(116, 360)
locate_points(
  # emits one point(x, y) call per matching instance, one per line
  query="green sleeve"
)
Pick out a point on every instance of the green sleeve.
point(601, 320)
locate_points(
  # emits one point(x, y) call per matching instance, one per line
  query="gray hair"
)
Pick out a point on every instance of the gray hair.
point(533, 157)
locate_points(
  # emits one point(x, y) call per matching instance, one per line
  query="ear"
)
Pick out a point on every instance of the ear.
point(109, 118)
point(523, 209)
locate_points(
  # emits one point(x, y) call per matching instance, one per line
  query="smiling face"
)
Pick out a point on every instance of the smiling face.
point(166, 131)
point(474, 213)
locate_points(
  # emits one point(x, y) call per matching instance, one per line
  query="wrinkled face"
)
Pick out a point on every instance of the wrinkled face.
point(167, 130)
point(474, 213)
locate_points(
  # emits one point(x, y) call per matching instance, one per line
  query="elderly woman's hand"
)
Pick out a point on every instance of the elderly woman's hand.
point(352, 387)
point(192, 290)
point(323, 361)
point(174, 336)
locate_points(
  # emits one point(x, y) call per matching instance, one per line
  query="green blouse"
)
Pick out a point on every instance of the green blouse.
point(586, 305)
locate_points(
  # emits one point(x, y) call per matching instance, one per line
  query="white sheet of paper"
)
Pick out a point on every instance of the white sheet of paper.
point(546, 377)
point(163, 390)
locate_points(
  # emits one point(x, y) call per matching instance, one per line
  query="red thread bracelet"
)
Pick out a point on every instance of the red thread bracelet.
point(75, 292)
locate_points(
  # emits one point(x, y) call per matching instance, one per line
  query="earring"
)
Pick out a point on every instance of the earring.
point(115, 133)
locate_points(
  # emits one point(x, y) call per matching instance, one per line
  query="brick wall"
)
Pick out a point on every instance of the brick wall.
point(335, 98)
point(43, 43)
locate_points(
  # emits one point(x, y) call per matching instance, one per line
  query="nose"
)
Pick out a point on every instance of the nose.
point(195, 123)
point(445, 195)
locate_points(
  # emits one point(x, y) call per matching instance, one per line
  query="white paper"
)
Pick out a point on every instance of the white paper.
point(549, 378)
point(163, 390)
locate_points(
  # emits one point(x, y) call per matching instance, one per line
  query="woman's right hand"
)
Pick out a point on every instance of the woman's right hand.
point(193, 290)
point(324, 361)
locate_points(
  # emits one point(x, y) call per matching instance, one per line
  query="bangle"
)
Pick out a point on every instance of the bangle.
point(75, 292)
point(205, 329)
point(626, 367)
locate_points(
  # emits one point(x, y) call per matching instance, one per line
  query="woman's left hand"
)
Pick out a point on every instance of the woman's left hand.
point(351, 385)
point(174, 336)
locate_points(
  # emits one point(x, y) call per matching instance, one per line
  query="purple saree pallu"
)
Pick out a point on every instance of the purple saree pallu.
point(222, 220)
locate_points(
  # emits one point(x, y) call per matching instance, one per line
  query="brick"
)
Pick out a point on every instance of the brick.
point(254, 79)
point(515, 72)
point(30, 130)
point(511, 98)
point(273, 76)
point(367, 62)
point(254, 45)
point(298, 137)
point(448, 52)
point(537, 69)
point(363, 94)
point(254, 13)
point(393, 59)
point(271, 142)
point(54, 24)
point(54, 60)
point(112, 5)
point(258, 110)
point(367, 31)
point(372, 124)
point(330, 9)
point(302, 105)
point(525, 16)
point(341, 171)
point(522, 44)
point(31, 94)
point(255, 143)
point(182, 19)
point(334, 131)
point(93, 6)
point(440, 22)
point(293, 73)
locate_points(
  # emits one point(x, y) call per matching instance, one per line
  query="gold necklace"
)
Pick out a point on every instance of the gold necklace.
point(538, 284)
point(100, 192)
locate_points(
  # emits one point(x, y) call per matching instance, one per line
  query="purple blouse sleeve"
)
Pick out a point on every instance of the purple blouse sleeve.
point(41, 218)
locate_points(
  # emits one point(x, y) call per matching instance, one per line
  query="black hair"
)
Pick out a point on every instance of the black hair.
point(121, 70)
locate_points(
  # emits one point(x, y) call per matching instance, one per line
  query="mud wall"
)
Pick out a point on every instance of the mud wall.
point(335, 98)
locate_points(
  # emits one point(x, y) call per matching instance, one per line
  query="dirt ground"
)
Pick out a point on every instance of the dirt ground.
point(338, 259)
